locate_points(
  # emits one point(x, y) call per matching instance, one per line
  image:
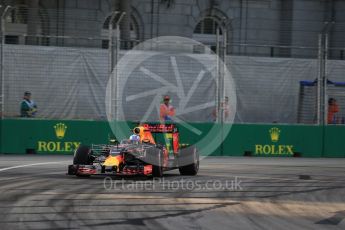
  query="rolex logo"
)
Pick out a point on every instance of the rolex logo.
point(274, 133)
point(60, 130)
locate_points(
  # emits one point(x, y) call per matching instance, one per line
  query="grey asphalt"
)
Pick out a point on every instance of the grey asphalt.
point(228, 193)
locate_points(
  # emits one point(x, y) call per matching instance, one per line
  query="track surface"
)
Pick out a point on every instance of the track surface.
point(266, 193)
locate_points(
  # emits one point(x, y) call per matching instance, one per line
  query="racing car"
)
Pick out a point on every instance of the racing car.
point(138, 155)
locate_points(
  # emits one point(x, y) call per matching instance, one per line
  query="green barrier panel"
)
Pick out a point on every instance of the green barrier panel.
point(203, 136)
point(62, 136)
point(50, 136)
point(334, 144)
point(274, 140)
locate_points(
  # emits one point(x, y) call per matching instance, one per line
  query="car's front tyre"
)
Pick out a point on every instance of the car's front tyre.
point(82, 156)
point(189, 161)
point(157, 167)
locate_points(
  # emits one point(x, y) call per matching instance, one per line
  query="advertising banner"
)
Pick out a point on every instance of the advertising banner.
point(19, 136)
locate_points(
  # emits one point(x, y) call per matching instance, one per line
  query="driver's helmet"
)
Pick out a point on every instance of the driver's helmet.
point(134, 138)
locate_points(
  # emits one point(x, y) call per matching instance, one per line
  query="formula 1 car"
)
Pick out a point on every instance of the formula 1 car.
point(138, 157)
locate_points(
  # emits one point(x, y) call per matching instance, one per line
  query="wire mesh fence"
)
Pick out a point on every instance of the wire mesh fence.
point(66, 83)
point(168, 67)
point(65, 58)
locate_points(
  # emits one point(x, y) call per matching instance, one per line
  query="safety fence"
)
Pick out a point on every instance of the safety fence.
point(71, 83)
point(69, 57)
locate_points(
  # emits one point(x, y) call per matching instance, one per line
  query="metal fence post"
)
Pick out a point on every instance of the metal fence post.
point(3, 35)
point(225, 40)
point(218, 98)
point(110, 44)
point(325, 78)
point(319, 82)
point(111, 61)
point(2, 65)
point(117, 57)
point(224, 106)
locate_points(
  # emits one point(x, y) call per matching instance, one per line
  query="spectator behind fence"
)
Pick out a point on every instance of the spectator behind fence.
point(28, 107)
point(333, 108)
point(224, 107)
point(166, 110)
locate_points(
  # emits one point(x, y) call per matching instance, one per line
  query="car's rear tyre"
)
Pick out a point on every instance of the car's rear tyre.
point(189, 161)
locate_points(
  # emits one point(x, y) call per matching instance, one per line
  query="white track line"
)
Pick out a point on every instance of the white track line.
point(30, 165)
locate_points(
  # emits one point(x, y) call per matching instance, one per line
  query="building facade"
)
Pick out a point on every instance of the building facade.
point(253, 27)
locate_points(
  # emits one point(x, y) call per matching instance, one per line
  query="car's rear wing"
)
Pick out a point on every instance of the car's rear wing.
point(160, 128)
point(169, 131)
